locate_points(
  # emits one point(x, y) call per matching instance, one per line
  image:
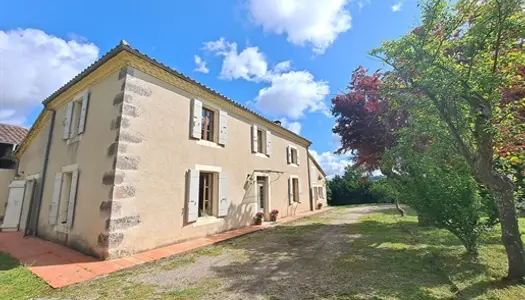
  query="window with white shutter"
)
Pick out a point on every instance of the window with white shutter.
point(223, 127)
point(53, 211)
point(62, 210)
point(294, 189)
point(223, 195)
point(75, 118)
point(268, 143)
point(196, 119)
point(255, 142)
point(192, 201)
point(67, 120)
point(83, 112)
point(292, 155)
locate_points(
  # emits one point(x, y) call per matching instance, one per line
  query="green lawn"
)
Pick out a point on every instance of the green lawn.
point(384, 257)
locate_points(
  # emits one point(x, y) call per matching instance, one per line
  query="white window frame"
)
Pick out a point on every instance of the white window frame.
point(76, 136)
point(265, 133)
point(215, 143)
point(290, 158)
point(207, 220)
point(299, 189)
point(58, 227)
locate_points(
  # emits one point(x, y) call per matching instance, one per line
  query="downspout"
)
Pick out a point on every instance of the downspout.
point(309, 179)
point(34, 227)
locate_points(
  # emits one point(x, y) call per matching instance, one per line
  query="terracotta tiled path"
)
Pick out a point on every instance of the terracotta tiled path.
point(60, 266)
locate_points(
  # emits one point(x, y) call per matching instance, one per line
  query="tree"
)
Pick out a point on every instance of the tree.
point(354, 188)
point(458, 62)
point(366, 124)
point(438, 183)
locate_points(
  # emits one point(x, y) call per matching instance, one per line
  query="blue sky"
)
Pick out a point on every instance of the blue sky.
point(282, 58)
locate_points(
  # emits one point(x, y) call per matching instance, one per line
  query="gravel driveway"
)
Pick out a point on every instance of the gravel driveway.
point(292, 261)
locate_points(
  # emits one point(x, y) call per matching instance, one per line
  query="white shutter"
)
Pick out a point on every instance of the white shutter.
point(82, 122)
point(289, 155)
point(298, 158)
point(53, 212)
point(290, 190)
point(192, 207)
point(72, 199)
point(67, 120)
point(223, 127)
point(268, 142)
point(196, 121)
point(223, 195)
point(254, 138)
point(299, 189)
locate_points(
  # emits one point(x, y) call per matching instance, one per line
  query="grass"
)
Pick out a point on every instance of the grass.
point(400, 260)
point(387, 257)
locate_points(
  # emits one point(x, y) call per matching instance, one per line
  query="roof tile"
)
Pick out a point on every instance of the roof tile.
point(11, 134)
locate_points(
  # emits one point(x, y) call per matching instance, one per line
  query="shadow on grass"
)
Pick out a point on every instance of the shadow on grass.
point(370, 260)
point(7, 262)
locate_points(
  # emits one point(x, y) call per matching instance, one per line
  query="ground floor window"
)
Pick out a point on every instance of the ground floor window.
point(65, 193)
point(320, 192)
point(206, 194)
point(295, 189)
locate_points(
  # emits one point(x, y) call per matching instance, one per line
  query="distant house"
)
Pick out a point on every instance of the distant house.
point(317, 182)
point(10, 138)
point(131, 155)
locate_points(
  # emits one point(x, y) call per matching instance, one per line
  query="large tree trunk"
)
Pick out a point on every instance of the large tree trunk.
point(510, 233)
point(386, 169)
point(401, 211)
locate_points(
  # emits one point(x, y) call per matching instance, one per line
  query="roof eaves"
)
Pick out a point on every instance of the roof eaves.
point(316, 163)
point(187, 78)
point(123, 45)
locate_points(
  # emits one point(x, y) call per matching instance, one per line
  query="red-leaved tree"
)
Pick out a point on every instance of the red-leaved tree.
point(365, 122)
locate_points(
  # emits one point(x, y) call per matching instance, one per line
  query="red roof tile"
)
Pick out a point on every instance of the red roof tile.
point(11, 134)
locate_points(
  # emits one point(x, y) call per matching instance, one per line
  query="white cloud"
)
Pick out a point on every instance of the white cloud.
point(249, 64)
point(292, 126)
point(397, 7)
point(331, 163)
point(282, 67)
point(34, 64)
point(200, 65)
point(219, 46)
point(305, 22)
point(292, 94)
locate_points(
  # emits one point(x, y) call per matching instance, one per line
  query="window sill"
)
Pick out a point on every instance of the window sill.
point(203, 221)
point(293, 165)
point(74, 140)
point(62, 228)
point(259, 154)
point(209, 144)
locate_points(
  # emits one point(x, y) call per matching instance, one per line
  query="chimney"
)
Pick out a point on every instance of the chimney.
point(277, 122)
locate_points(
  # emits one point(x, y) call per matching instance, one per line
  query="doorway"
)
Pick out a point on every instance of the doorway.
point(262, 195)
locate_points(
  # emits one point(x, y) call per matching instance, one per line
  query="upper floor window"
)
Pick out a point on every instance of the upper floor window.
point(260, 144)
point(75, 118)
point(208, 124)
point(208, 120)
point(293, 155)
point(261, 140)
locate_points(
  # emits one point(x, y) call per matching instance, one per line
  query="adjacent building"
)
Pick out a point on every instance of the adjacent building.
point(131, 155)
point(10, 138)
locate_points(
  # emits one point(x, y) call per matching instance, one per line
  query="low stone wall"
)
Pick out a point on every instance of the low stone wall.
point(5, 179)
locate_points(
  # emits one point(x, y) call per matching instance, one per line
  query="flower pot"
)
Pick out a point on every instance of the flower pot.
point(258, 221)
point(273, 218)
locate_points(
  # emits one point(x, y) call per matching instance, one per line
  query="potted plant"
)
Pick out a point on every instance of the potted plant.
point(258, 218)
point(273, 215)
point(319, 205)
